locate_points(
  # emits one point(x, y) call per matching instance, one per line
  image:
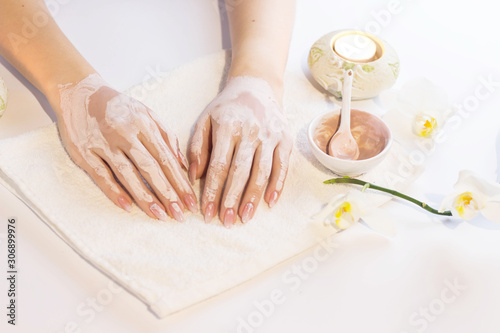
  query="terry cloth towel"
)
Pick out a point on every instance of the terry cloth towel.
point(172, 265)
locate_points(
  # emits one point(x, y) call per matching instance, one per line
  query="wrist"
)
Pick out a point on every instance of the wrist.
point(259, 66)
point(54, 84)
point(275, 83)
point(75, 93)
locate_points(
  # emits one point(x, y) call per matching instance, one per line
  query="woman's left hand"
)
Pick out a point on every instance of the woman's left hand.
point(243, 138)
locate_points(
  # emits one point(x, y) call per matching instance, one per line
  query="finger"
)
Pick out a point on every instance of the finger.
point(216, 175)
point(103, 177)
point(170, 139)
point(129, 177)
point(171, 169)
point(152, 172)
point(236, 182)
point(278, 174)
point(259, 177)
point(199, 148)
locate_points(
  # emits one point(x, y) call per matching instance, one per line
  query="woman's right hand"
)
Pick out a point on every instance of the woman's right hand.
point(118, 141)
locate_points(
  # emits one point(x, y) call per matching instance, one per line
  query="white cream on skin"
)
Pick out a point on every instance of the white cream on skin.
point(98, 122)
point(283, 170)
point(87, 129)
point(78, 127)
point(117, 118)
point(245, 115)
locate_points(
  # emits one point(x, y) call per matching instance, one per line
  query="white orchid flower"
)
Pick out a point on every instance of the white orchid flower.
point(345, 210)
point(417, 111)
point(472, 195)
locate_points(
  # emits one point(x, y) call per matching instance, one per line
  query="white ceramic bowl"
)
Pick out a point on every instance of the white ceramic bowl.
point(349, 168)
point(371, 76)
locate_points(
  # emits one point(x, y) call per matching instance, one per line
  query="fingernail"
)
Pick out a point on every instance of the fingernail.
point(124, 204)
point(190, 203)
point(273, 199)
point(193, 168)
point(158, 212)
point(183, 159)
point(177, 211)
point(229, 218)
point(209, 212)
point(247, 212)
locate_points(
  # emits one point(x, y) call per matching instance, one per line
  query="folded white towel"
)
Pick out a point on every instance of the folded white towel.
point(172, 265)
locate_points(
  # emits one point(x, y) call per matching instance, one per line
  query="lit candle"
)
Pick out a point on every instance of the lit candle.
point(355, 47)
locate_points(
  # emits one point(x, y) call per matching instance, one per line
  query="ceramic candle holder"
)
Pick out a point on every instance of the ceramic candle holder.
point(3, 97)
point(373, 74)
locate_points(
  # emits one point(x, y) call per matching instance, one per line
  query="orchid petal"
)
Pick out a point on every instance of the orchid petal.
point(379, 221)
point(343, 215)
point(419, 110)
point(472, 194)
point(491, 211)
point(424, 125)
point(421, 95)
point(467, 180)
point(466, 205)
point(390, 99)
point(329, 208)
point(447, 202)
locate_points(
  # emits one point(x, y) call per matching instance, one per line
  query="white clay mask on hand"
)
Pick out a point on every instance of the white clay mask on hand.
point(247, 125)
point(110, 134)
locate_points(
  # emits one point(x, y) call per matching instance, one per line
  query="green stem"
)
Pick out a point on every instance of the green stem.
point(347, 180)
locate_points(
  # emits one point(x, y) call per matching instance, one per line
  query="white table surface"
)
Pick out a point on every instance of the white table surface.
point(371, 283)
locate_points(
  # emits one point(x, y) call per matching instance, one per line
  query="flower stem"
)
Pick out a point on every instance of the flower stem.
point(347, 180)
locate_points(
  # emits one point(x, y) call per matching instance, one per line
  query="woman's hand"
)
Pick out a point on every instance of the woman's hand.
point(244, 139)
point(116, 140)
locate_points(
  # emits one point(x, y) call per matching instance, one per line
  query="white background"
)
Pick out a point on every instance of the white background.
point(371, 283)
